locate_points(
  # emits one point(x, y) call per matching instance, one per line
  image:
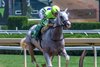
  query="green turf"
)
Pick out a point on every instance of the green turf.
point(18, 61)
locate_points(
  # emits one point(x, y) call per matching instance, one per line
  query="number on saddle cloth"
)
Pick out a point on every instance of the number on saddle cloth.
point(37, 33)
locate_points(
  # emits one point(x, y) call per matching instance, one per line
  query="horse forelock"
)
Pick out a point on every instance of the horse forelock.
point(64, 15)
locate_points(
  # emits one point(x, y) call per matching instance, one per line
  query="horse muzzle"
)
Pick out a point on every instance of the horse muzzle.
point(67, 24)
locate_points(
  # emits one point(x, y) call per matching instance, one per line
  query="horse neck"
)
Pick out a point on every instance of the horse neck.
point(57, 33)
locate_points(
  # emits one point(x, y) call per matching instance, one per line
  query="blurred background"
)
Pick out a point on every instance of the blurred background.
point(80, 10)
point(17, 16)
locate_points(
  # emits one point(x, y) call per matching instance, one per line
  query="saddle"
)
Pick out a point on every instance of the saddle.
point(36, 33)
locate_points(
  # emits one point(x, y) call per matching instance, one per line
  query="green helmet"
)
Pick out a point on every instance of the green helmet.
point(55, 9)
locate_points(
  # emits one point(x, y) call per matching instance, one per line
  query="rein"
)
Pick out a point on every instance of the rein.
point(59, 25)
point(56, 26)
point(57, 40)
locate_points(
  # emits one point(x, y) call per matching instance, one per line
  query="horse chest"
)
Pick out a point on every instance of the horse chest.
point(54, 47)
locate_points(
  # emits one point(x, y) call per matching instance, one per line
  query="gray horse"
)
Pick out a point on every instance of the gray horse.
point(52, 40)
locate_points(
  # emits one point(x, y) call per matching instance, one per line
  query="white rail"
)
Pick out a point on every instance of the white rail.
point(13, 31)
point(64, 31)
point(67, 48)
point(82, 31)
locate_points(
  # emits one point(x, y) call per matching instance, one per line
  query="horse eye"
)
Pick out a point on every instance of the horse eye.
point(61, 17)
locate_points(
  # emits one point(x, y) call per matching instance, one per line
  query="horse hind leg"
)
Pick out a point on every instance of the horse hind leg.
point(24, 44)
point(33, 60)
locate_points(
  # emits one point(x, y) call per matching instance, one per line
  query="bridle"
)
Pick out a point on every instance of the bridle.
point(60, 25)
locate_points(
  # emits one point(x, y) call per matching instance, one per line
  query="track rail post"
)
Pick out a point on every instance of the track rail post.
point(59, 61)
point(95, 56)
point(25, 58)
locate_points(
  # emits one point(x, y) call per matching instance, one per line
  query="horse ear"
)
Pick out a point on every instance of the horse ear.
point(66, 9)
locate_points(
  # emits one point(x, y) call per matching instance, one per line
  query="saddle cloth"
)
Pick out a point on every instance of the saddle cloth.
point(36, 33)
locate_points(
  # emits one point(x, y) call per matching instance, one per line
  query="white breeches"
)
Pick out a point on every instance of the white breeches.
point(41, 14)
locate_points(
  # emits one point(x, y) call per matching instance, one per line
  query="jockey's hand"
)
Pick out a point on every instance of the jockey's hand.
point(50, 24)
point(54, 25)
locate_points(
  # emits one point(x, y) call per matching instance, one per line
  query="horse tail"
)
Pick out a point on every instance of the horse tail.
point(22, 43)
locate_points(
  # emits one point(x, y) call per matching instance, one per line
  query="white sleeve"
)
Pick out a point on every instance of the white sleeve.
point(31, 29)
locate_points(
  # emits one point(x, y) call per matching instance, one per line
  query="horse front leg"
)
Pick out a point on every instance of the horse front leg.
point(48, 59)
point(51, 57)
point(67, 57)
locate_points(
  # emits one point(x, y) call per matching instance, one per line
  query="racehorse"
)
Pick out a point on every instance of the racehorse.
point(52, 41)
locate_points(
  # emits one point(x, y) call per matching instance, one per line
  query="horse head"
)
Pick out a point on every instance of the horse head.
point(60, 22)
point(62, 19)
point(64, 16)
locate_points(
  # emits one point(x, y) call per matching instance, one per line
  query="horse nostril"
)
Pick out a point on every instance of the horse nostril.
point(64, 22)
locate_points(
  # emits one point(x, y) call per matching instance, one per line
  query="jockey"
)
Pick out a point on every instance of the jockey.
point(47, 14)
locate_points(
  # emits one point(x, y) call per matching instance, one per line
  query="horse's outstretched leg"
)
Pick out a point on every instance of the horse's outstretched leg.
point(48, 59)
point(29, 46)
point(32, 55)
point(64, 53)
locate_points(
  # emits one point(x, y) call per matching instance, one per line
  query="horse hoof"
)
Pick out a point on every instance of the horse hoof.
point(37, 65)
point(43, 65)
point(33, 62)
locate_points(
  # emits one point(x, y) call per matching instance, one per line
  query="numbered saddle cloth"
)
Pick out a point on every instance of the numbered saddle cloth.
point(36, 32)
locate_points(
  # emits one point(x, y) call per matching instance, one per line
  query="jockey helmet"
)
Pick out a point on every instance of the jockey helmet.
point(55, 9)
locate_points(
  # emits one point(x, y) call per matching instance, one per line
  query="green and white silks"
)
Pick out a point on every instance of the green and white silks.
point(36, 33)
